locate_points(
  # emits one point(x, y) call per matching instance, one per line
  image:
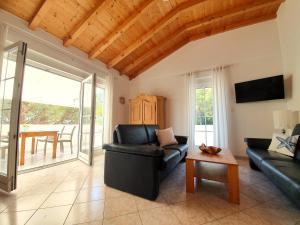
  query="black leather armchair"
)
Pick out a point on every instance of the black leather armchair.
point(282, 170)
point(135, 162)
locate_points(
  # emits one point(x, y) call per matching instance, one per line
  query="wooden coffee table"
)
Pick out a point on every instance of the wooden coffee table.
point(225, 159)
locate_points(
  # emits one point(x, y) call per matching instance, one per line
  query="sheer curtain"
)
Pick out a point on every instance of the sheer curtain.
point(109, 90)
point(190, 106)
point(3, 36)
point(221, 106)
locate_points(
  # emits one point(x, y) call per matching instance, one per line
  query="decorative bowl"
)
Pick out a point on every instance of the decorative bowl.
point(209, 149)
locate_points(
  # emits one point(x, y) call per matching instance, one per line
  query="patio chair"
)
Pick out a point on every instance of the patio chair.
point(66, 137)
point(3, 148)
point(48, 139)
point(63, 137)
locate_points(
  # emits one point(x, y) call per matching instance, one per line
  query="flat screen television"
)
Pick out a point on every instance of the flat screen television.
point(260, 90)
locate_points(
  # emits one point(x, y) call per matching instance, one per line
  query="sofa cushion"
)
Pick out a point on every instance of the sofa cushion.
point(170, 159)
point(285, 175)
point(257, 155)
point(166, 137)
point(296, 131)
point(132, 134)
point(182, 148)
point(151, 134)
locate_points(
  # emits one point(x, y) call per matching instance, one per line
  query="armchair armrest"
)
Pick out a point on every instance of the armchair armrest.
point(260, 143)
point(144, 150)
point(181, 139)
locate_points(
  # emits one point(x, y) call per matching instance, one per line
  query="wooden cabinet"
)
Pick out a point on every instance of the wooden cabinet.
point(147, 109)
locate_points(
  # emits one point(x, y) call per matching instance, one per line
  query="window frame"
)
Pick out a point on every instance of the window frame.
point(202, 82)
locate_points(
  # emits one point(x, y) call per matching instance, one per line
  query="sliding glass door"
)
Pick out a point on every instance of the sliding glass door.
point(87, 120)
point(10, 93)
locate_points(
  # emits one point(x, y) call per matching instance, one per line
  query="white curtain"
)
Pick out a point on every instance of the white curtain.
point(221, 106)
point(190, 106)
point(3, 36)
point(108, 110)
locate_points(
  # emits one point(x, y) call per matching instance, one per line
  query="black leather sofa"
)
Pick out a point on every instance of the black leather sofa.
point(135, 163)
point(283, 171)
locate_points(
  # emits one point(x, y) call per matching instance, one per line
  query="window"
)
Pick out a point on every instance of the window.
point(203, 114)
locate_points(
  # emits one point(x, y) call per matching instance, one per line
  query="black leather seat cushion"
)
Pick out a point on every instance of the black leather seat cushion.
point(128, 134)
point(170, 159)
point(296, 131)
point(286, 175)
point(182, 148)
point(257, 155)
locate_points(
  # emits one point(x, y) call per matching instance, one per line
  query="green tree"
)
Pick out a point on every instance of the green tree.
point(204, 106)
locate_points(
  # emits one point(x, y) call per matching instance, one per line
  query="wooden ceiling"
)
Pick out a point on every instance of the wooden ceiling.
point(133, 35)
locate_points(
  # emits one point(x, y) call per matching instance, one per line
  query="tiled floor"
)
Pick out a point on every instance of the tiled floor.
point(74, 193)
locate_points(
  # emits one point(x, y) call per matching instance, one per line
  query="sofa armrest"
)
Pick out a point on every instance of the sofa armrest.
point(259, 143)
point(144, 150)
point(181, 139)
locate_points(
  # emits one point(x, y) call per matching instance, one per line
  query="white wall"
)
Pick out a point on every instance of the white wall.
point(289, 34)
point(252, 52)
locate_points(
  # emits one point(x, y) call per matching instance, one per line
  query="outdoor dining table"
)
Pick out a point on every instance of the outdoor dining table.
point(33, 134)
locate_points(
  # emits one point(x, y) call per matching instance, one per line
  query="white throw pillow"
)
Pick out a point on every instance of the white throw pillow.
point(284, 144)
point(166, 137)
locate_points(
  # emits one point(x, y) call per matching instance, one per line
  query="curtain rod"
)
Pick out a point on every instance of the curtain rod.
point(208, 69)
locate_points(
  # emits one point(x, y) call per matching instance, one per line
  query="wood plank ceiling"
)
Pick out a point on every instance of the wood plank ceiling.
point(133, 35)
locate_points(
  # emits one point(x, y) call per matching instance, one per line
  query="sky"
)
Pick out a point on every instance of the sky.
point(40, 86)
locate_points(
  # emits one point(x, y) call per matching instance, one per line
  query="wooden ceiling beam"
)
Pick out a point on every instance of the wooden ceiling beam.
point(161, 57)
point(130, 67)
point(239, 24)
point(83, 24)
point(241, 9)
point(41, 13)
point(203, 35)
point(170, 17)
point(122, 28)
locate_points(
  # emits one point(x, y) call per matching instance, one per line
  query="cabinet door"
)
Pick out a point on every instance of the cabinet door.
point(136, 116)
point(149, 112)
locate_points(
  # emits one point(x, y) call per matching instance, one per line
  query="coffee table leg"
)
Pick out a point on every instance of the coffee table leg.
point(189, 175)
point(233, 184)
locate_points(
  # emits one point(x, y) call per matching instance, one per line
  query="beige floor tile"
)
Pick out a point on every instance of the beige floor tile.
point(86, 212)
point(98, 222)
point(15, 218)
point(119, 206)
point(237, 219)
point(130, 219)
point(143, 204)
point(192, 212)
point(94, 181)
point(91, 194)
point(159, 216)
point(274, 213)
point(60, 199)
point(114, 193)
point(28, 202)
point(175, 195)
point(69, 186)
point(50, 216)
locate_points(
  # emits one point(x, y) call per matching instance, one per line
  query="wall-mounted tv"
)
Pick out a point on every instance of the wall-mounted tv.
point(260, 90)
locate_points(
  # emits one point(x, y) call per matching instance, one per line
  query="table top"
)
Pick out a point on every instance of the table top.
point(223, 157)
point(39, 133)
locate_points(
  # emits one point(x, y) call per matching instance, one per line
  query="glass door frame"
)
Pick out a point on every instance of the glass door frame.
point(9, 182)
point(87, 158)
point(100, 85)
